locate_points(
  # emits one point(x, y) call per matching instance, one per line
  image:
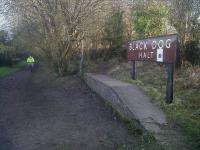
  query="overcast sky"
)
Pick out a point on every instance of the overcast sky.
point(4, 25)
point(2, 22)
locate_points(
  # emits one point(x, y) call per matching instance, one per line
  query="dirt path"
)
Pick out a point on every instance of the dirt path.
point(59, 115)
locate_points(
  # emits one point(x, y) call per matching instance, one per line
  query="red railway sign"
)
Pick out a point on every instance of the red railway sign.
point(159, 49)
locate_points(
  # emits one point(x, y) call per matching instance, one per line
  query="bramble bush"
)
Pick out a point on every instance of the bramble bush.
point(192, 52)
point(6, 55)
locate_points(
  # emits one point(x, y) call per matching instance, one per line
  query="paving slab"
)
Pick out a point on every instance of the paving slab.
point(132, 103)
point(129, 97)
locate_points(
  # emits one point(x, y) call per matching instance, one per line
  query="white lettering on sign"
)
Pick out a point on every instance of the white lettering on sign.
point(155, 44)
point(145, 46)
point(145, 55)
point(141, 44)
point(140, 55)
point(160, 44)
point(168, 43)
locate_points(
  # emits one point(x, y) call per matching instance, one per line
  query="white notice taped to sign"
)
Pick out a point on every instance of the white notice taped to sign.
point(159, 57)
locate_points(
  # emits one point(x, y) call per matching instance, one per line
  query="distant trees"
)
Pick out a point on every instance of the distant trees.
point(113, 30)
point(113, 34)
point(146, 19)
point(185, 17)
point(149, 20)
point(7, 51)
point(60, 26)
point(4, 37)
point(192, 52)
point(61, 30)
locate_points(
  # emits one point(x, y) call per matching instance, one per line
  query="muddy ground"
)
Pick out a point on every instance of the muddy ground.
point(38, 112)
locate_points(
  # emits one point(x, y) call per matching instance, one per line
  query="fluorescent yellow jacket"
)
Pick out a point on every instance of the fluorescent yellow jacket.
point(30, 60)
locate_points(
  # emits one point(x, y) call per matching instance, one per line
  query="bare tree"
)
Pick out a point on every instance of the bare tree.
point(61, 25)
point(183, 16)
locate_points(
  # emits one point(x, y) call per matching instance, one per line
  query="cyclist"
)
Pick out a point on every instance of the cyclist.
point(30, 61)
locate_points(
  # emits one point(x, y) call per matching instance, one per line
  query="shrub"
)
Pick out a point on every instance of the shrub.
point(6, 55)
point(192, 52)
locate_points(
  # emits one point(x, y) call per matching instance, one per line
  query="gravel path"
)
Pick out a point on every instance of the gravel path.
point(41, 114)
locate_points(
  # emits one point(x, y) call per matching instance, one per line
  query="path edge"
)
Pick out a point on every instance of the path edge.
point(111, 95)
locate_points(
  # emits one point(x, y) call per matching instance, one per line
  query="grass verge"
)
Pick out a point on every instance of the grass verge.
point(184, 112)
point(185, 109)
point(5, 71)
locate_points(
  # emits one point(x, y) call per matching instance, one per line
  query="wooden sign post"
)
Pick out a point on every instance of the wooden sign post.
point(133, 70)
point(170, 82)
point(162, 49)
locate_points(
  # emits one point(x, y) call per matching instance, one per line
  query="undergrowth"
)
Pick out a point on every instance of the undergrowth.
point(185, 109)
point(5, 71)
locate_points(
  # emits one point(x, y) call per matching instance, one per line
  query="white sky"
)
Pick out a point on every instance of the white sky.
point(4, 25)
point(2, 22)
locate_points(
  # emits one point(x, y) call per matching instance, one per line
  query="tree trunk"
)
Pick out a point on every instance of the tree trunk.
point(82, 57)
